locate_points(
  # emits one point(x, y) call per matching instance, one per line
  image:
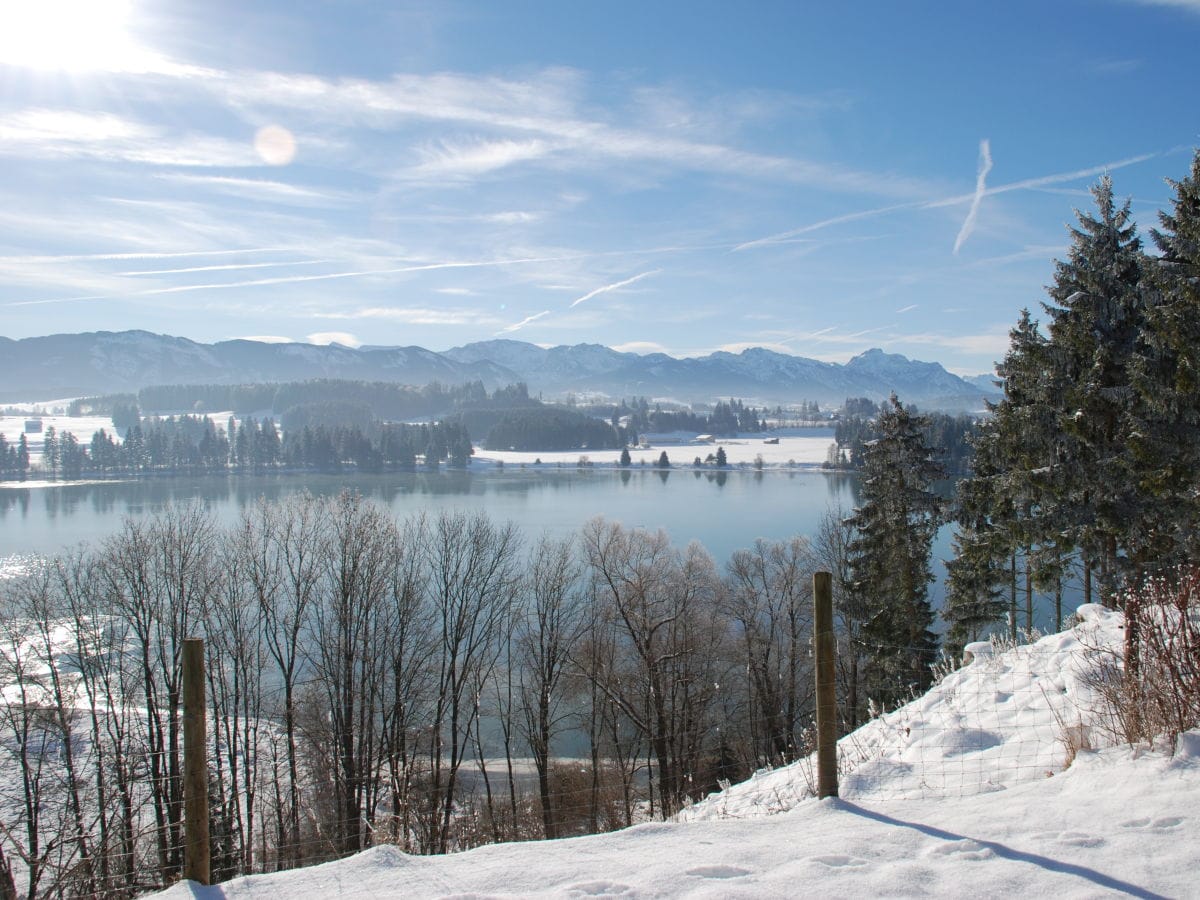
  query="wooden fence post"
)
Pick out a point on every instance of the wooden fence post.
point(196, 852)
point(825, 651)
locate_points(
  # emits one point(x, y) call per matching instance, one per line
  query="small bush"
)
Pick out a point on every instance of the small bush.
point(1153, 692)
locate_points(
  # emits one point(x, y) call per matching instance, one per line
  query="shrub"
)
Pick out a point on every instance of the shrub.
point(1154, 691)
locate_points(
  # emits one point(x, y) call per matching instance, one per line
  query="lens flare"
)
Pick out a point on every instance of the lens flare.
point(275, 145)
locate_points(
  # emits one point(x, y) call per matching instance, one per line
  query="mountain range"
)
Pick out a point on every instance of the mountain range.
point(69, 365)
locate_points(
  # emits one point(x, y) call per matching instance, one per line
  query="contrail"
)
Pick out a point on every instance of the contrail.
point(295, 279)
point(985, 166)
point(783, 236)
point(519, 325)
point(1057, 178)
point(1025, 184)
point(88, 257)
point(614, 286)
point(225, 268)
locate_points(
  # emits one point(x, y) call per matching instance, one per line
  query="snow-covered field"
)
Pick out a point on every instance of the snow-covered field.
point(1117, 822)
point(797, 449)
point(83, 427)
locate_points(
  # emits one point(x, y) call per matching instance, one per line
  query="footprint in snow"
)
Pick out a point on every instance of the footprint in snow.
point(598, 889)
point(718, 872)
point(1079, 839)
point(964, 849)
point(1160, 824)
point(838, 861)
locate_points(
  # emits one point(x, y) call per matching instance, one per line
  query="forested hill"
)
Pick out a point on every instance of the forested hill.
point(71, 365)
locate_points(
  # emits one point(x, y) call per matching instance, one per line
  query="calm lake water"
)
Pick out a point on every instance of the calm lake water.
point(723, 511)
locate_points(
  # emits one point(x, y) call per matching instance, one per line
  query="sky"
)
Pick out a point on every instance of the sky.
point(818, 179)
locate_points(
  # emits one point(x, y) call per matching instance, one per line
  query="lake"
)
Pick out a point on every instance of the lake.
point(724, 511)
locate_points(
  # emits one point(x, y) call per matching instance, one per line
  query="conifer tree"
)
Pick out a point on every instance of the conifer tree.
point(1097, 317)
point(1015, 455)
point(889, 556)
point(1166, 438)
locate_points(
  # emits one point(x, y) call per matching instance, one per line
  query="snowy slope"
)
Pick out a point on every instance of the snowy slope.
point(1118, 822)
point(995, 722)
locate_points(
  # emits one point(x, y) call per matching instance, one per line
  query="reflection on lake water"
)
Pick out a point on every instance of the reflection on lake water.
point(723, 510)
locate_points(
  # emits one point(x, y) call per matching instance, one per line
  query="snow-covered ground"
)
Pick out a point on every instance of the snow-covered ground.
point(804, 450)
point(999, 721)
point(83, 427)
point(1116, 822)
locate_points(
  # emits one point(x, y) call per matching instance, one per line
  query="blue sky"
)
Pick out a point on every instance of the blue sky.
point(683, 177)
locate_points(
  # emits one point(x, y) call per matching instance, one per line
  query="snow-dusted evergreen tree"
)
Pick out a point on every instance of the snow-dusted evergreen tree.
point(978, 573)
point(889, 556)
point(1166, 439)
point(1097, 316)
point(1009, 501)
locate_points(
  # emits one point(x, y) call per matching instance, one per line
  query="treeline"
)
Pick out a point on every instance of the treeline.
point(387, 400)
point(14, 459)
point(375, 681)
point(859, 425)
point(1089, 464)
point(193, 445)
point(725, 420)
point(554, 428)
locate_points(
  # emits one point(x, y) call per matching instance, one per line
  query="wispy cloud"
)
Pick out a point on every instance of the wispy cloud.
point(262, 189)
point(640, 347)
point(613, 287)
point(265, 339)
point(334, 337)
point(539, 117)
point(993, 342)
point(67, 134)
point(985, 166)
point(1192, 6)
point(739, 346)
point(447, 160)
point(908, 308)
point(414, 315)
point(1114, 66)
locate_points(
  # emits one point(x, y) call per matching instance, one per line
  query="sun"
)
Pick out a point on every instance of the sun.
point(69, 36)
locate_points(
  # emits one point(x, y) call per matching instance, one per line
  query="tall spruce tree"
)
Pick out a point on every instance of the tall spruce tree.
point(1165, 441)
point(1017, 452)
point(977, 574)
point(1096, 313)
point(889, 556)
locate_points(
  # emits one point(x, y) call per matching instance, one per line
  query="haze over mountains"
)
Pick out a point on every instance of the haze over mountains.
point(67, 365)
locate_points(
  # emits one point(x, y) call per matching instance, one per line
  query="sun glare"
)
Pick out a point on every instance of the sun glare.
point(69, 35)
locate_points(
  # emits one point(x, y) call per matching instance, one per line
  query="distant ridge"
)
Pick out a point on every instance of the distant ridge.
point(64, 365)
